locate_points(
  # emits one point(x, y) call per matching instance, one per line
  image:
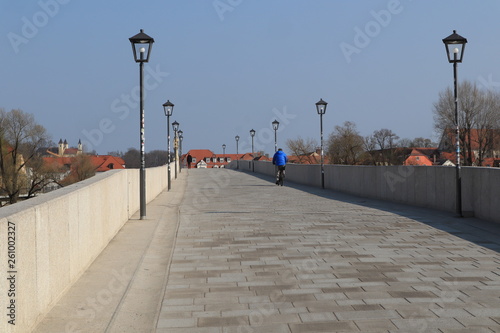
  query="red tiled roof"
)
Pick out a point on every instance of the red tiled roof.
point(231, 156)
point(475, 135)
point(449, 156)
point(70, 151)
point(422, 156)
point(491, 162)
point(247, 157)
point(418, 160)
point(61, 161)
point(101, 162)
point(424, 151)
point(107, 162)
point(201, 154)
point(313, 158)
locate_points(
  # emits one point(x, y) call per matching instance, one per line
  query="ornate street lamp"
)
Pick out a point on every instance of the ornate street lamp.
point(237, 138)
point(168, 107)
point(175, 126)
point(141, 47)
point(224, 149)
point(252, 134)
point(321, 109)
point(455, 44)
point(276, 124)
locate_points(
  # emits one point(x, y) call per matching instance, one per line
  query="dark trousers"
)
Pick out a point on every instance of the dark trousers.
point(278, 169)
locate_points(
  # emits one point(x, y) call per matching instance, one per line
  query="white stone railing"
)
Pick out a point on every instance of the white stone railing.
point(47, 242)
point(431, 187)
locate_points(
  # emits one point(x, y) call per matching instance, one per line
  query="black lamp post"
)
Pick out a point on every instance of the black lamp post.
point(224, 153)
point(175, 126)
point(321, 108)
point(276, 124)
point(168, 107)
point(237, 138)
point(455, 44)
point(181, 136)
point(141, 46)
point(252, 134)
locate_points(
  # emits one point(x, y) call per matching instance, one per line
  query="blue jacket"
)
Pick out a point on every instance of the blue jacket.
point(280, 158)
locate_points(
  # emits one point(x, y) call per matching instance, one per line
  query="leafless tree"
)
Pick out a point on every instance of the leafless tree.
point(301, 148)
point(156, 158)
point(385, 138)
point(419, 142)
point(345, 145)
point(487, 138)
point(405, 142)
point(478, 118)
point(153, 158)
point(20, 138)
point(386, 141)
point(83, 167)
point(132, 158)
point(116, 153)
point(42, 174)
point(422, 143)
point(369, 145)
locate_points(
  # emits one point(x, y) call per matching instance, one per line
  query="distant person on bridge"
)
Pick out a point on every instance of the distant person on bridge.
point(280, 159)
point(189, 160)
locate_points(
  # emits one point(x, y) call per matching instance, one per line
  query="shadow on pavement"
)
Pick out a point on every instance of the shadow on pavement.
point(480, 232)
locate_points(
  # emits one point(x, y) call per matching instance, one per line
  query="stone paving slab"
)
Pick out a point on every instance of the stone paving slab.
point(122, 289)
point(254, 257)
point(249, 256)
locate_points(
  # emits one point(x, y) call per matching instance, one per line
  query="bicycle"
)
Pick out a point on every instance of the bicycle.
point(280, 177)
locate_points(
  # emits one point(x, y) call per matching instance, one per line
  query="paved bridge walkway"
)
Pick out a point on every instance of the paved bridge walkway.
point(227, 251)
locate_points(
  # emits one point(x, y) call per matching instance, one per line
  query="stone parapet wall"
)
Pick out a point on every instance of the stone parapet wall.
point(431, 187)
point(47, 242)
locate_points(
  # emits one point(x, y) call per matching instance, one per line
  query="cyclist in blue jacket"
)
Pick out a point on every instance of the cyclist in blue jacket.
point(280, 160)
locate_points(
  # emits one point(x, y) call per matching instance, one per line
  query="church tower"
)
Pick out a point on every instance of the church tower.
point(61, 148)
point(80, 148)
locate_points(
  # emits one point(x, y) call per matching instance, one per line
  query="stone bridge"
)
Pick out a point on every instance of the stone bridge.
point(229, 251)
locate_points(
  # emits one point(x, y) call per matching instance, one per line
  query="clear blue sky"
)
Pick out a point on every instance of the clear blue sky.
point(233, 65)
